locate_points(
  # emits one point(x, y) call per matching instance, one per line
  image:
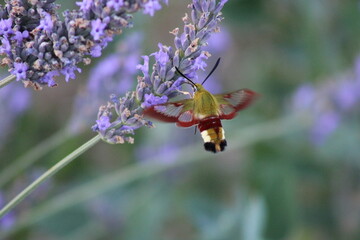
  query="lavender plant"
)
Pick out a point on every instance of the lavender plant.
point(37, 45)
point(162, 84)
point(118, 119)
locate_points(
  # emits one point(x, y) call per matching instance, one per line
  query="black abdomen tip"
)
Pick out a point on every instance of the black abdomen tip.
point(223, 144)
point(211, 147)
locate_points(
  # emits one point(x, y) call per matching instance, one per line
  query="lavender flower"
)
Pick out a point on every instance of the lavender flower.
point(328, 103)
point(163, 83)
point(32, 33)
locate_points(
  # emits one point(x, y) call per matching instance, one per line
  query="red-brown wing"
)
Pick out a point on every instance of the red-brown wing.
point(231, 103)
point(178, 112)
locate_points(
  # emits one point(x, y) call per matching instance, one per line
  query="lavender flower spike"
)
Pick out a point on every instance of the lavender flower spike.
point(37, 45)
point(163, 83)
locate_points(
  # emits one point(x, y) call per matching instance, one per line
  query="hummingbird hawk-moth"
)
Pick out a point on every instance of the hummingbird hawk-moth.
point(205, 110)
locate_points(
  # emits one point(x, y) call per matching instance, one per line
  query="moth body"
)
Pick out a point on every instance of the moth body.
point(213, 134)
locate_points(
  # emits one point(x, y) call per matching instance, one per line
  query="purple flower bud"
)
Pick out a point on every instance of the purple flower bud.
point(103, 123)
point(151, 100)
point(145, 67)
point(116, 4)
point(20, 71)
point(97, 29)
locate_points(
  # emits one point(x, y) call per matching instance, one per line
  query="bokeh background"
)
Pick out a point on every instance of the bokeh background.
point(291, 169)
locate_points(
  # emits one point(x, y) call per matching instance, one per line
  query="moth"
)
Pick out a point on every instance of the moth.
point(205, 110)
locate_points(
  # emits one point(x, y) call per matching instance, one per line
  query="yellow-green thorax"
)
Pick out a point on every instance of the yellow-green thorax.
point(205, 104)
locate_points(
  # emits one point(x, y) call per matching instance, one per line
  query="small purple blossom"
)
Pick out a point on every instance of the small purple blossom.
point(49, 78)
point(69, 72)
point(96, 51)
point(19, 36)
point(161, 56)
point(103, 123)
point(46, 22)
point(97, 29)
point(151, 100)
point(200, 61)
point(85, 5)
point(6, 27)
point(151, 7)
point(116, 4)
point(20, 71)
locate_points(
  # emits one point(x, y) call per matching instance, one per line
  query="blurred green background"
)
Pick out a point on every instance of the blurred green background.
point(271, 183)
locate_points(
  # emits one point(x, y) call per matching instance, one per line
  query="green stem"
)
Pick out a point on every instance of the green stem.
point(62, 163)
point(31, 156)
point(121, 177)
point(7, 80)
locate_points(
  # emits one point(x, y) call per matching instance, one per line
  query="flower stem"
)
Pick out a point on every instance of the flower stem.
point(32, 155)
point(7, 80)
point(62, 163)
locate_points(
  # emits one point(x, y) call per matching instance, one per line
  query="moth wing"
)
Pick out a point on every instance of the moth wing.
point(231, 103)
point(180, 112)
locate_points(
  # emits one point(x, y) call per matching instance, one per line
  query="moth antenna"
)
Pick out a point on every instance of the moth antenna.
point(183, 75)
point(212, 70)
